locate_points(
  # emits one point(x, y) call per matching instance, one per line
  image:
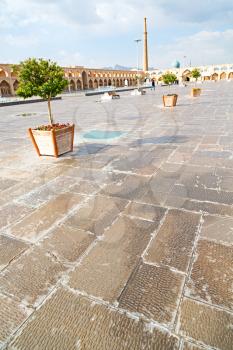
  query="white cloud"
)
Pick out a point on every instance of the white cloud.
point(201, 48)
point(56, 25)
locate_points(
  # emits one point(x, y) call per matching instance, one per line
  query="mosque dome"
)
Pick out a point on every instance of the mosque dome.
point(176, 64)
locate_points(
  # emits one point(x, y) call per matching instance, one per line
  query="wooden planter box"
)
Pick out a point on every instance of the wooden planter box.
point(195, 92)
point(170, 100)
point(54, 142)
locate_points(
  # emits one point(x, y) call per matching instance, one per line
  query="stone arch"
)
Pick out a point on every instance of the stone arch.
point(117, 83)
point(214, 76)
point(101, 82)
point(15, 85)
point(79, 85)
point(230, 75)
point(96, 85)
point(121, 82)
point(84, 79)
point(113, 82)
point(90, 84)
point(206, 77)
point(109, 82)
point(186, 76)
point(5, 89)
point(223, 76)
point(105, 82)
point(3, 74)
point(72, 85)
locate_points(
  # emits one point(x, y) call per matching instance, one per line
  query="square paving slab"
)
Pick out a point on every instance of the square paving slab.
point(212, 274)
point(58, 325)
point(107, 268)
point(206, 324)
point(154, 292)
point(173, 243)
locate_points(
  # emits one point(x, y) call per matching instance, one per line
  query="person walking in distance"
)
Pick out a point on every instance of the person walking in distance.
point(153, 84)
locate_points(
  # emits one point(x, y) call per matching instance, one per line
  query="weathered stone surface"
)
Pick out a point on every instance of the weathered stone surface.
point(141, 167)
point(173, 243)
point(212, 274)
point(9, 249)
point(191, 346)
point(12, 213)
point(85, 187)
point(97, 214)
point(132, 187)
point(218, 228)
point(145, 211)
point(67, 243)
point(206, 324)
point(44, 193)
point(197, 206)
point(106, 269)
point(6, 183)
point(58, 325)
point(203, 194)
point(40, 220)
point(12, 316)
point(31, 277)
point(143, 189)
point(154, 292)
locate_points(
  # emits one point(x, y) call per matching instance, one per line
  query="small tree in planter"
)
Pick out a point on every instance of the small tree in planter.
point(44, 78)
point(169, 100)
point(195, 74)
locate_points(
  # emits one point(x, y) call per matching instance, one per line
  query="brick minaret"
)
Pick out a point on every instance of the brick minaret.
point(145, 61)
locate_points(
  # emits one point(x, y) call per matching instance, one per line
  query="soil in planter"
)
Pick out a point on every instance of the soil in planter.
point(49, 127)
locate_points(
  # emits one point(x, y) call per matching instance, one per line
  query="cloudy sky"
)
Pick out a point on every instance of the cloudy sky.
point(101, 33)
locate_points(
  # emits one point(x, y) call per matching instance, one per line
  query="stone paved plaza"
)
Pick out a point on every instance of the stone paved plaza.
point(127, 243)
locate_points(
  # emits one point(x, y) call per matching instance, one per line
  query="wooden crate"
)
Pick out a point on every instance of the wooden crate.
point(54, 142)
point(170, 100)
point(195, 92)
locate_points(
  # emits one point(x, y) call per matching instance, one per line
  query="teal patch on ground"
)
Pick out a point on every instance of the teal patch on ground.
point(102, 135)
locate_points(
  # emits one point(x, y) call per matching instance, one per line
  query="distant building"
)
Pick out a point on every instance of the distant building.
point(79, 78)
point(209, 72)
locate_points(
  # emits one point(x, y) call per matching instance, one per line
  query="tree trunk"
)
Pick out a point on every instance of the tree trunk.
point(50, 113)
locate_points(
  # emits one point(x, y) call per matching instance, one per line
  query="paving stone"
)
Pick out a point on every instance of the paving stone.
point(145, 211)
point(58, 325)
point(40, 220)
point(106, 269)
point(85, 187)
point(138, 163)
point(200, 180)
point(210, 139)
point(207, 207)
point(6, 183)
point(132, 187)
point(211, 277)
point(174, 241)
point(12, 316)
point(154, 292)
point(191, 346)
point(9, 249)
point(67, 243)
point(206, 324)
point(217, 228)
point(31, 277)
point(203, 194)
point(47, 191)
point(97, 214)
point(12, 213)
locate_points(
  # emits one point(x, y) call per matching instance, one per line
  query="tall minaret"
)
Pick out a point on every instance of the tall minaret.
point(145, 61)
